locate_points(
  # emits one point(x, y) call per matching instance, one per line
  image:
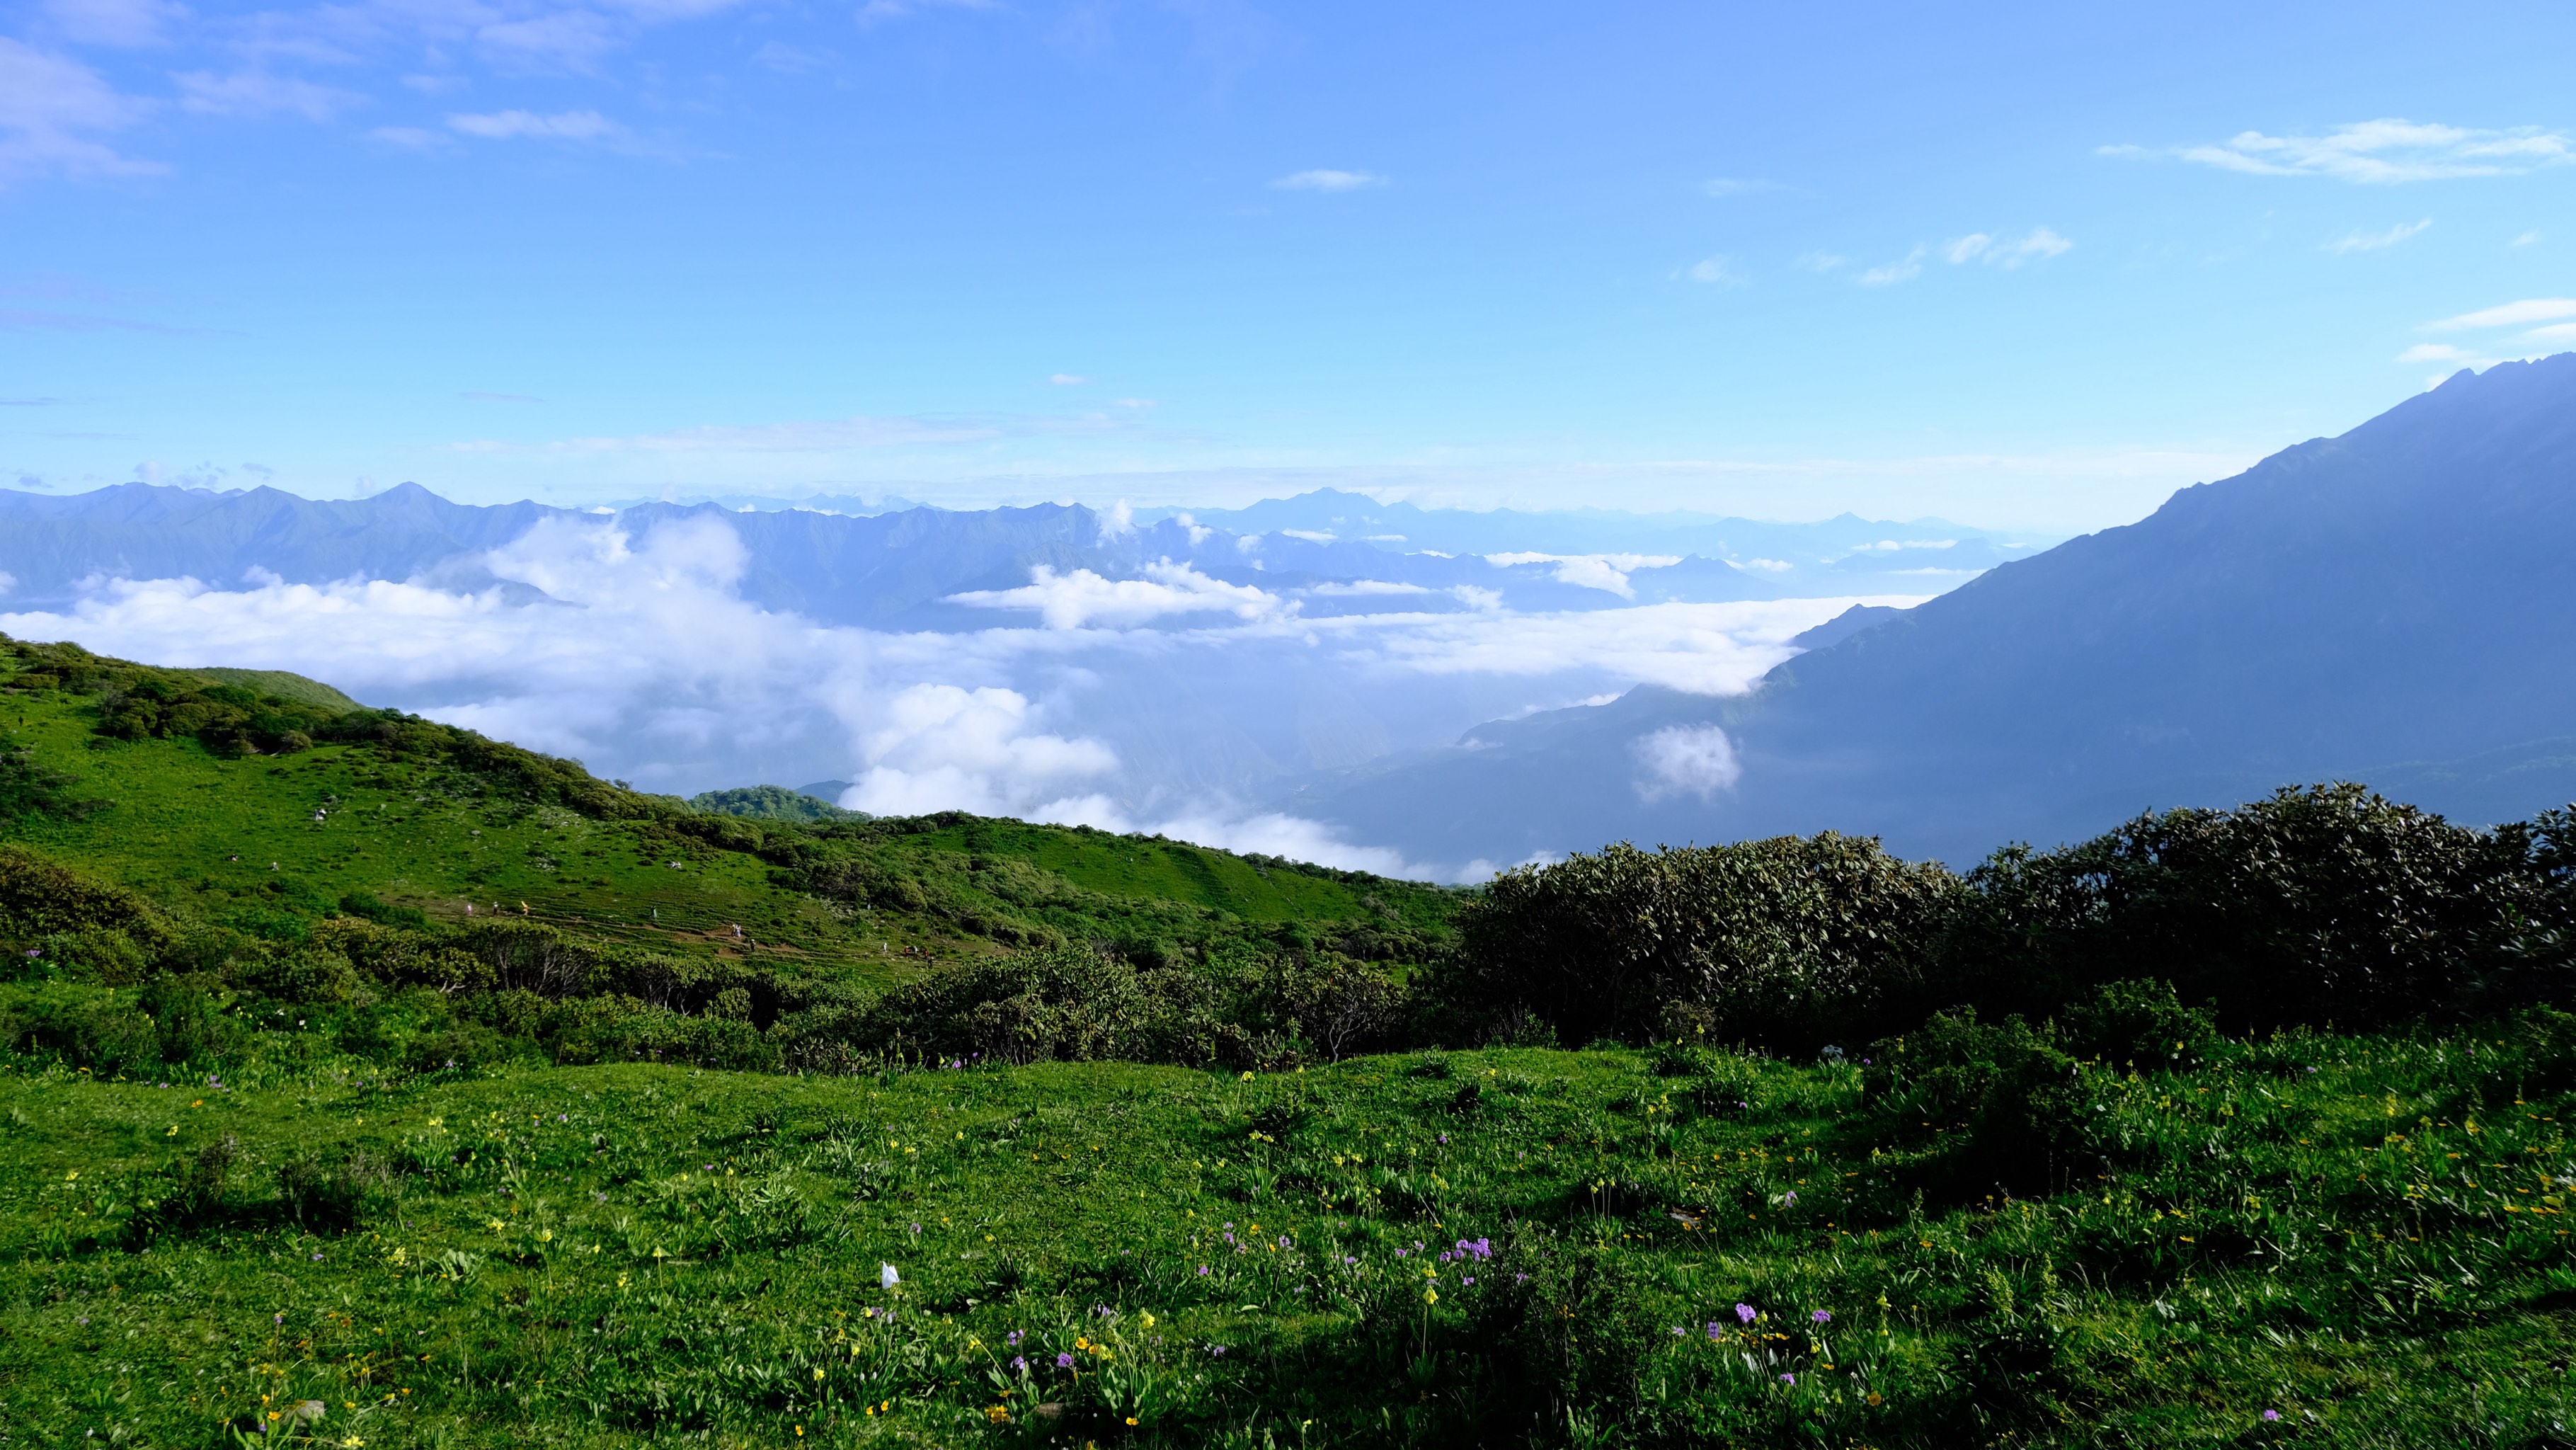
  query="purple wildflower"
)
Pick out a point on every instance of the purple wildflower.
point(1744, 1313)
point(1678, 1331)
point(1202, 1270)
point(1789, 1199)
point(1788, 1379)
point(1468, 1279)
point(1712, 1329)
point(2269, 1415)
point(1020, 1362)
point(1064, 1361)
point(1014, 1337)
point(1822, 1316)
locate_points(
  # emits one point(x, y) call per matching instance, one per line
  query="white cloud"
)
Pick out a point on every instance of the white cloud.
point(257, 93)
point(1118, 519)
point(1362, 588)
point(1066, 380)
point(2038, 246)
point(1737, 186)
point(2554, 334)
point(1072, 601)
point(2374, 241)
point(1819, 262)
point(2424, 352)
point(1686, 760)
point(562, 126)
point(411, 138)
point(569, 39)
point(1891, 273)
point(943, 747)
point(52, 111)
point(2381, 152)
point(1326, 180)
point(1716, 272)
point(2511, 314)
point(1608, 572)
point(1706, 649)
point(2526, 239)
point(129, 23)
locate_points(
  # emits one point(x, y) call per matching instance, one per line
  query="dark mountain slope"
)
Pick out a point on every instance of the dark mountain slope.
point(2399, 596)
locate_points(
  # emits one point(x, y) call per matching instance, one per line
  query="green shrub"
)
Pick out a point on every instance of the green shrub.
point(2312, 904)
point(1995, 1106)
point(334, 1194)
point(2138, 1023)
point(1791, 942)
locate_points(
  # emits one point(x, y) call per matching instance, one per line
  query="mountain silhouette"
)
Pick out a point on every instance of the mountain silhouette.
point(2392, 605)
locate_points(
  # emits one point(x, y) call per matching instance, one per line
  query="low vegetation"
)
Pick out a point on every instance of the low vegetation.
point(2231, 1127)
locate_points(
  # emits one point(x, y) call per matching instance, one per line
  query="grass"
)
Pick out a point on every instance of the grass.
point(2372, 1250)
point(247, 840)
point(320, 1228)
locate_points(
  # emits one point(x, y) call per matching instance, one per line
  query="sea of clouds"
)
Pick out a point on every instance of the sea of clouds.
point(1174, 703)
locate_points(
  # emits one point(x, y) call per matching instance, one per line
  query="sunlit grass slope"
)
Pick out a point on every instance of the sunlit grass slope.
point(2362, 1238)
point(251, 839)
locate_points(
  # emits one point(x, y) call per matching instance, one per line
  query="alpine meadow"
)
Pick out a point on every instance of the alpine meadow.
point(372, 1082)
point(1231, 725)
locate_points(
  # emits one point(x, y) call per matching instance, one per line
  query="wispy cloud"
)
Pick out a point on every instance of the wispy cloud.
point(2526, 239)
point(1888, 274)
point(2424, 352)
point(53, 110)
point(124, 23)
point(2040, 244)
point(2511, 314)
point(258, 93)
point(877, 12)
point(1985, 248)
point(1719, 271)
point(2374, 241)
point(1327, 180)
point(1819, 262)
point(1067, 380)
point(1722, 186)
point(2381, 152)
point(561, 126)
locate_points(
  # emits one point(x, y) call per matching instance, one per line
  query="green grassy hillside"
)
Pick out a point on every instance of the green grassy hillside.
point(427, 819)
point(984, 1133)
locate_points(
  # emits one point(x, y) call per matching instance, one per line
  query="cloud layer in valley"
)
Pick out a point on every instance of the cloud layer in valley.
point(636, 653)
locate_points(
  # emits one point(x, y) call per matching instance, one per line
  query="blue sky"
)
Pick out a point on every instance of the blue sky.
point(2027, 266)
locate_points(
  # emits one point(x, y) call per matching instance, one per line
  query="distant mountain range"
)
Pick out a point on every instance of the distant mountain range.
point(905, 569)
point(2395, 605)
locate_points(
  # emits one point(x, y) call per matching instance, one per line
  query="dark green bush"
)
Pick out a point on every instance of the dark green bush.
point(1997, 1106)
point(2137, 1023)
point(1790, 943)
point(334, 1194)
point(2313, 904)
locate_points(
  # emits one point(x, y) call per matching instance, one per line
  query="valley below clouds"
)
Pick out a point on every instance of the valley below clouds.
point(1172, 703)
